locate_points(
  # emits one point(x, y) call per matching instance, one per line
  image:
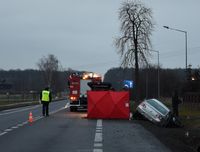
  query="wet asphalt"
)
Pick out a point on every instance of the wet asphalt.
point(66, 131)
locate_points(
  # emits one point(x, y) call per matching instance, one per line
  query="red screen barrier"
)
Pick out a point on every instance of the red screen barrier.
point(108, 105)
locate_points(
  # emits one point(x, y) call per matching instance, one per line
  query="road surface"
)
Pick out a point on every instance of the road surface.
point(64, 131)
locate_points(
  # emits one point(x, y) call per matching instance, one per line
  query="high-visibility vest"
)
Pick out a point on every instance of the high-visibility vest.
point(45, 95)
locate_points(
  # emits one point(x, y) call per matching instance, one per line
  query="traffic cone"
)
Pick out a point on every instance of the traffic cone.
point(30, 118)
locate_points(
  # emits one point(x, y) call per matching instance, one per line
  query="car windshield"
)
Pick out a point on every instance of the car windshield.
point(157, 106)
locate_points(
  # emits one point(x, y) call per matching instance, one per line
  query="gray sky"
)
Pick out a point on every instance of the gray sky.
point(80, 33)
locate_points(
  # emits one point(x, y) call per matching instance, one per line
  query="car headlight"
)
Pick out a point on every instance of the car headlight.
point(159, 116)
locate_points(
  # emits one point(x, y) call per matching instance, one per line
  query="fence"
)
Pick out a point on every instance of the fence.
point(14, 98)
point(191, 97)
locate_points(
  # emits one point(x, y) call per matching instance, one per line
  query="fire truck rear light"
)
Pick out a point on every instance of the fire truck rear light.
point(72, 98)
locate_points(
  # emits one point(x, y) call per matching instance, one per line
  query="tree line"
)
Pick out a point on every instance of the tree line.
point(170, 79)
point(30, 80)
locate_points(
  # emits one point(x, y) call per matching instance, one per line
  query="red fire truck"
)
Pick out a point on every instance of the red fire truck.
point(78, 87)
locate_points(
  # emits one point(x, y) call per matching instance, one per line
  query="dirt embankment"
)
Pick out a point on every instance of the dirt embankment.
point(185, 139)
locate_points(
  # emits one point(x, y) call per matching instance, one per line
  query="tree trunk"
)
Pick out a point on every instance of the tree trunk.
point(137, 92)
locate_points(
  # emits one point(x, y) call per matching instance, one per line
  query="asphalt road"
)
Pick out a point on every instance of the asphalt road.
point(65, 131)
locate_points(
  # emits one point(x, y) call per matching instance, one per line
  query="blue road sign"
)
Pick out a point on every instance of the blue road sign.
point(128, 83)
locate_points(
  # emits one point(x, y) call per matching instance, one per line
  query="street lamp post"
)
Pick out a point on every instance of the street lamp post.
point(185, 32)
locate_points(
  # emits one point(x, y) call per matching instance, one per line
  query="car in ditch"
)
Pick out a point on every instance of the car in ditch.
point(155, 111)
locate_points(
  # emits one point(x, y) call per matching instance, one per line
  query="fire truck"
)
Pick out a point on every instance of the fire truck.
point(78, 87)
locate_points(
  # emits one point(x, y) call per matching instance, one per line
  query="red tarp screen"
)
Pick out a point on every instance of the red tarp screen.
point(108, 105)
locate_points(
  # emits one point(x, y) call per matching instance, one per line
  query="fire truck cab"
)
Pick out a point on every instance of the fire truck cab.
point(78, 87)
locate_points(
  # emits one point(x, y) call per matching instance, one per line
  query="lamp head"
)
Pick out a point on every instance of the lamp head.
point(167, 27)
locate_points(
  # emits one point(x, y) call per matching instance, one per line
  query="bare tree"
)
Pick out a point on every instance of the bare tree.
point(49, 66)
point(136, 29)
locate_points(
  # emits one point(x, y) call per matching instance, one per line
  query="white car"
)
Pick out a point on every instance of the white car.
point(155, 111)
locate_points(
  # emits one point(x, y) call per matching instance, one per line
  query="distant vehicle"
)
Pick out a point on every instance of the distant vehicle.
point(78, 87)
point(155, 111)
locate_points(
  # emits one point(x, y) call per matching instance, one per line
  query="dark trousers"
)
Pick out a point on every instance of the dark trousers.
point(45, 108)
point(175, 110)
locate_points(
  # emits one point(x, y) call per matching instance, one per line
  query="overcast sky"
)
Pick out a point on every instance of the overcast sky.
point(81, 33)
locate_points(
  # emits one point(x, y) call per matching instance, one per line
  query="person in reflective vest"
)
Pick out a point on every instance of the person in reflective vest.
point(45, 97)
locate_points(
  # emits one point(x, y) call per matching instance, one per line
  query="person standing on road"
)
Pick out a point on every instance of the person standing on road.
point(175, 102)
point(45, 97)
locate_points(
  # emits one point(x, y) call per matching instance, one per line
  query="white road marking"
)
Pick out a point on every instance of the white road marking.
point(8, 110)
point(11, 111)
point(98, 145)
point(97, 150)
point(67, 105)
point(16, 111)
point(20, 125)
point(99, 128)
point(3, 133)
point(53, 112)
point(99, 123)
point(19, 108)
point(98, 137)
point(26, 122)
point(37, 118)
point(7, 130)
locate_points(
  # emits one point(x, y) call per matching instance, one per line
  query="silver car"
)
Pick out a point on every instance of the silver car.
point(155, 111)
